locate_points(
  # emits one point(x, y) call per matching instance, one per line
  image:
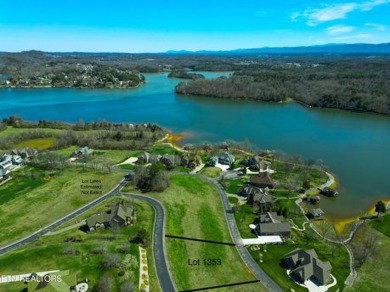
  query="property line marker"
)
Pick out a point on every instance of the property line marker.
point(201, 240)
point(221, 286)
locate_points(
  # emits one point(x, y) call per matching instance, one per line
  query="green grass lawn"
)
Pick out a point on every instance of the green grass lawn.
point(382, 224)
point(15, 131)
point(194, 210)
point(67, 152)
point(212, 172)
point(116, 156)
point(373, 275)
point(35, 198)
point(234, 185)
point(46, 253)
point(245, 216)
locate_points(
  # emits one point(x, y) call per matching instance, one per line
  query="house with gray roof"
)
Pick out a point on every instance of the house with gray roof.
point(147, 157)
point(4, 174)
point(305, 265)
point(171, 160)
point(121, 214)
point(315, 214)
point(258, 196)
point(83, 152)
point(270, 223)
point(226, 158)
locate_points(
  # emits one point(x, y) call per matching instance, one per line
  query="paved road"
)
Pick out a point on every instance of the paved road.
point(235, 234)
point(159, 253)
point(163, 272)
point(40, 232)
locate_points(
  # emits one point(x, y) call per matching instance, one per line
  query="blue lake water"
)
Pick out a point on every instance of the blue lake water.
point(355, 146)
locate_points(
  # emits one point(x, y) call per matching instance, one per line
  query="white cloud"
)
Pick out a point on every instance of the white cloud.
point(355, 37)
point(339, 29)
point(334, 11)
point(377, 26)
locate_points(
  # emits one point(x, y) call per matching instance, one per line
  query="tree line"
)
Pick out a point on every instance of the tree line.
point(351, 84)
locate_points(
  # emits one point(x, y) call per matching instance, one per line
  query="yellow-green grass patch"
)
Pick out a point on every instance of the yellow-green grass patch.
point(41, 143)
point(212, 172)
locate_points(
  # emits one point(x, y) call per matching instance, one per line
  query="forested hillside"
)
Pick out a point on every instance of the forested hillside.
point(359, 84)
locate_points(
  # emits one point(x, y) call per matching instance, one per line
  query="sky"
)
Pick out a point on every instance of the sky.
point(158, 26)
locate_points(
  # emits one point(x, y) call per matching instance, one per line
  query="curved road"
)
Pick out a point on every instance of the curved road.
point(163, 274)
point(159, 254)
point(235, 234)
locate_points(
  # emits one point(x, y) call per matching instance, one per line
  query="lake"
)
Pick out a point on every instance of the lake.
point(354, 146)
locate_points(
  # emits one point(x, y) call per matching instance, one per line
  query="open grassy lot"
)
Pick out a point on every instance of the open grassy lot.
point(212, 172)
point(15, 131)
point(67, 152)
point(116, 156)
point(194, 210)
point(47, 253)
point(233, 186)
point(382, 224)
point(35, 198)
point(374, 274)
point(40, 144)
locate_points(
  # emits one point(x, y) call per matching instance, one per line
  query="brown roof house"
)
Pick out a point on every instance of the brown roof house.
point(171, 160)
point(270, 223)
point(121, 214)
point(305, 265)
point(262, 180)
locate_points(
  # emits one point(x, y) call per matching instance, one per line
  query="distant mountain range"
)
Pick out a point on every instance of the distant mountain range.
point(383, 48)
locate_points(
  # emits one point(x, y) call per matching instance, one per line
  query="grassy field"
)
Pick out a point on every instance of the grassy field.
point(40, 144)
point(382, 224)
point(35, 198)
point(235, 185)
point(47, 253)
point(14, 131)
point(373, 275)
point(212, 172)
point(194, 210)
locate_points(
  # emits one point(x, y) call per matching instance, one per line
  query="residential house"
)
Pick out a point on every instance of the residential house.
point(25, 152)
point(270, 223)
point(171, 160)
point(226, 158)
point(83, 152)
point(252, 162)
point(121, 214)
point(6, 165)
point(305, 265)
point(213, 161)
point(262, 180)
point(149, 157)
point(258, 196)
point(315, 214)
point(4, 174)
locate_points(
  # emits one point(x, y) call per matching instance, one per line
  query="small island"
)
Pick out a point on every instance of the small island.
point(185, 75)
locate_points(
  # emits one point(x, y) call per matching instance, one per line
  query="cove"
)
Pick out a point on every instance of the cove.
point(354, 146)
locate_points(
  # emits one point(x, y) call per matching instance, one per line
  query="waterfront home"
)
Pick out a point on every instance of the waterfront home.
point(313, 199)
point(315, 214)
point(226, 158)
point(305, 265)
point(270, 223)
point(262, 180)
